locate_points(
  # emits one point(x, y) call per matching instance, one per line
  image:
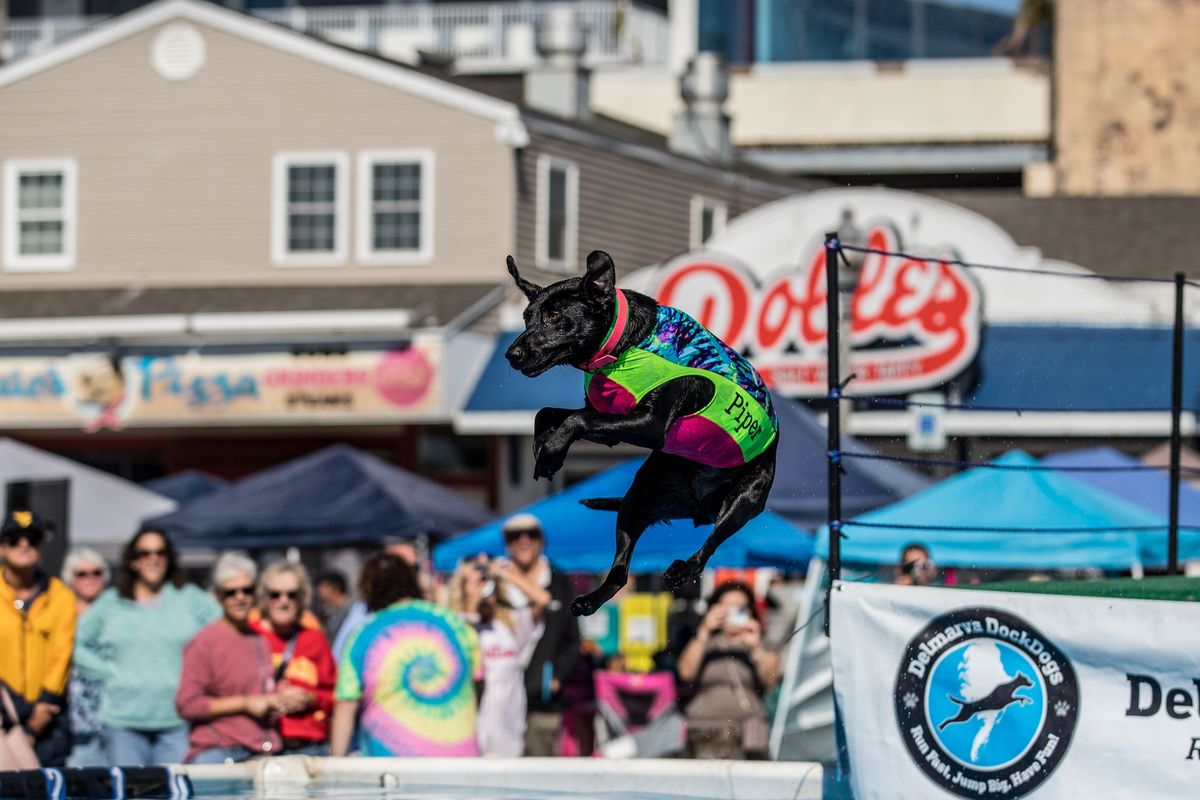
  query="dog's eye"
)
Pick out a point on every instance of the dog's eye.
point(553, 316)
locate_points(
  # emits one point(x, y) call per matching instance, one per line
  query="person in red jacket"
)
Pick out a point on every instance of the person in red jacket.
point(305, 672)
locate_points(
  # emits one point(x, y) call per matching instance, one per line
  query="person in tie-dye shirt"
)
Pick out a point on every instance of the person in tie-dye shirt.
point(411, 673)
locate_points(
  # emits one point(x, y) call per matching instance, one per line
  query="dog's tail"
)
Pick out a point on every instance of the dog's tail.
point(602, 503)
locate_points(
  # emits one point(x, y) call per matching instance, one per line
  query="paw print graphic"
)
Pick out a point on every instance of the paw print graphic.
point(910, 700)
point(1062, 708)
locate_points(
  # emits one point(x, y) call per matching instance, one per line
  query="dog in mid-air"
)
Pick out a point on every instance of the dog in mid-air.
point(655, 378)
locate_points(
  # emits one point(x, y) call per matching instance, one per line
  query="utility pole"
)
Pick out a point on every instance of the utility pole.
point(3, 29)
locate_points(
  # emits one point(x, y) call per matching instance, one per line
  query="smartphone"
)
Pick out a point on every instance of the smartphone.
point(738, 618)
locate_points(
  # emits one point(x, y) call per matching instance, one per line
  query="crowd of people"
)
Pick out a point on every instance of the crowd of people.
point(139, 666)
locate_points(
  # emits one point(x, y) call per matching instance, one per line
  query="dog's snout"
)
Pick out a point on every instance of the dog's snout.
point(515, 353)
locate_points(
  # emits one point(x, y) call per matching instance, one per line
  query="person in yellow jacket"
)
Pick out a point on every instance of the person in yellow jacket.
point(37, 627)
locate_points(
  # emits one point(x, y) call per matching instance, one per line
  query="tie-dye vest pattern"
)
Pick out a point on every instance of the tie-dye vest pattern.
point(736, 426)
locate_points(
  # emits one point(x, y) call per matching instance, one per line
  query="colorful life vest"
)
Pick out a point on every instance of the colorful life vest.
point(736, 426)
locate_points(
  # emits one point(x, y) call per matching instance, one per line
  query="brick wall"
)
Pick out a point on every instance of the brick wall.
point(1127, 97)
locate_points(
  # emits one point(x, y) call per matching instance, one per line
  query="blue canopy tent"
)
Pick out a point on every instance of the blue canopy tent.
point(335, 496)
point(1005, 498)
point(1146, 488)
point(184, 487)
point(579, 539)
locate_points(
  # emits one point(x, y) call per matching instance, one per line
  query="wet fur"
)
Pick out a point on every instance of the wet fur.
point(565, 323)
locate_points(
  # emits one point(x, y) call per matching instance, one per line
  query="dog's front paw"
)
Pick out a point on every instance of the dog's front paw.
point(680, 573)
point(548, 420)
point(584, 606)
point(550, 451)
point(549, 462)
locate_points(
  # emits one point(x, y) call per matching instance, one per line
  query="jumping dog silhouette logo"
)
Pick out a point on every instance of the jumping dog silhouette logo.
point(986, 704)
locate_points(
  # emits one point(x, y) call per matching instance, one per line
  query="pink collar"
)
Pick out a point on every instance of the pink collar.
point(604, 356)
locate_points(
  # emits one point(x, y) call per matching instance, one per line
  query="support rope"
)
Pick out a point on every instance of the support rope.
point(837, 455)
point(1001, 268)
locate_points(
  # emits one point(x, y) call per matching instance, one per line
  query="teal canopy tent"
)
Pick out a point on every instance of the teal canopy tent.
point(977, 519)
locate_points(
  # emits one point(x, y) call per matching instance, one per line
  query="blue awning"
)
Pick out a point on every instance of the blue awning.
point(500, 388)
point(1081, 368)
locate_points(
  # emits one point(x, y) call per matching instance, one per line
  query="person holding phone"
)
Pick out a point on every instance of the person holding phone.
point(550, 661)
point(916, 568)
point(479, 592)
point(732, 669)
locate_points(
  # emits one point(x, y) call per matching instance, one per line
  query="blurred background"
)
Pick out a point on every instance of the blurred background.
point(252, 280)
point(236, 235)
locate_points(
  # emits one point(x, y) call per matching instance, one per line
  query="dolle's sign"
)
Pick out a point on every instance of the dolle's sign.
point(914, 323)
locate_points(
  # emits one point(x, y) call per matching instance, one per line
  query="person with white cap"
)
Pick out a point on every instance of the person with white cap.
point(556, 638)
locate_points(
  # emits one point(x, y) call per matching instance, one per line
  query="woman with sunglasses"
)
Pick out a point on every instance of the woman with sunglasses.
point(37, 628)
point(303, 661)
point(85, 572)
point(131, 641)
point(227, 689)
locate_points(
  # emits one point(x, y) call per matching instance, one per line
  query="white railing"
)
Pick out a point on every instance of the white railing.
point(29, 37)
point(479, 36)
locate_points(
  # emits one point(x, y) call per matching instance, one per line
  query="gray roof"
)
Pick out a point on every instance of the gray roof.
point(1140, 236)
point(432, 305)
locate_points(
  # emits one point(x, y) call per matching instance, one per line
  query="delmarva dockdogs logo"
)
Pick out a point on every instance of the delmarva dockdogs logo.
point(986, 704)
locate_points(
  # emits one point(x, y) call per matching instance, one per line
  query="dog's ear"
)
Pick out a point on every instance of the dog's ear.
point(601, 274)
point(530, 290)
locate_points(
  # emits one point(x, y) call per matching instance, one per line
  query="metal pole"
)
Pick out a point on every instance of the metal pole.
point(1176, 439)
point(834, 440)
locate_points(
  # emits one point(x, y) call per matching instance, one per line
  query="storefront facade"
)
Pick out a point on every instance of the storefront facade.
point(230, 408)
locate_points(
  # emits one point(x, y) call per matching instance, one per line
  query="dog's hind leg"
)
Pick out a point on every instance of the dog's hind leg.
point(746, 500)
point(661, 490)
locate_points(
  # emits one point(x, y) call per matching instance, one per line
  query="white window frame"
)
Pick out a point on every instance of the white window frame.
point(571, 236)
point(57, 262)
point(280, 255)
point(366, 252)
point(720, 218)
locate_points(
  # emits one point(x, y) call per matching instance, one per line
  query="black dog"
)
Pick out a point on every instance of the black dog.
point(587, 322)
point(999, 698)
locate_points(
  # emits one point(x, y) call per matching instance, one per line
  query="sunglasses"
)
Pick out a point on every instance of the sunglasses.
point(34, 538)
point(158, 553)
point(234, 591)
point(513, 536)
point(290, 595)
point(89, 573)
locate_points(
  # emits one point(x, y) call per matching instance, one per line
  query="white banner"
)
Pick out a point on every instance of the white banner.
point(957, 693)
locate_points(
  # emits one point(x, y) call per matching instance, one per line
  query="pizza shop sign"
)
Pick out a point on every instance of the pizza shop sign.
point(914, 323)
